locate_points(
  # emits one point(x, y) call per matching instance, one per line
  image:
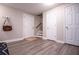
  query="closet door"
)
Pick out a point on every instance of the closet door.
point(72, 24)
point(28, 25)
point(51, 25)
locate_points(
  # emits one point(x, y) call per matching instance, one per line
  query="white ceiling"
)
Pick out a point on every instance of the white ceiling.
point(32, 8)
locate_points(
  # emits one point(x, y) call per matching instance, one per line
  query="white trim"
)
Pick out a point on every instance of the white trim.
point(45, 38)
point(54, 40)
point(12, 40)
point(38, 36)
point(59, 41)
point(18, 39)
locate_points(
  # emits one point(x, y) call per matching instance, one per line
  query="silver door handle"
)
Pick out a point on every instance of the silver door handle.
point(67, 27)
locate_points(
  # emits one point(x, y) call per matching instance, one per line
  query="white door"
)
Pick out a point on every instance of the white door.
point(51, 25)
point(72, 25)
point(28, 25)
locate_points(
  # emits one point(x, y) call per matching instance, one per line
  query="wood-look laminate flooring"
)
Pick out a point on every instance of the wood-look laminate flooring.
point(38, 46)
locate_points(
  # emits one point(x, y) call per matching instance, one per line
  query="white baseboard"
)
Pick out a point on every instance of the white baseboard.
point(18, 39)
point(12, 40)
point(53, 40)
point(37, 36)
point(15, 39)
point(45, 38)
point(59, 41)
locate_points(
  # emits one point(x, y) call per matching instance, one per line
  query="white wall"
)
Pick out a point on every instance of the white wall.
point(16, 19)
point(60, 23)
point(44, 24)
point(51, 17)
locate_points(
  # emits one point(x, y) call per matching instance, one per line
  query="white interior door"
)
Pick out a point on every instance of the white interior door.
point(51, 25)
point(28, 25)
point(72, 25)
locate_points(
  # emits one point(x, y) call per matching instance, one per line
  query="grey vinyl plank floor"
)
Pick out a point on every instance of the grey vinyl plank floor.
point(39, 46)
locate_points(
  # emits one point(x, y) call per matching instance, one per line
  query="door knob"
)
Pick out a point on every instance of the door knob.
point(66, 27)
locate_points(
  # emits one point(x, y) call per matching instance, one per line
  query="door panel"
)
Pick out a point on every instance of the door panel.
point(28, 25)
point(72, 24)
point(51, 25)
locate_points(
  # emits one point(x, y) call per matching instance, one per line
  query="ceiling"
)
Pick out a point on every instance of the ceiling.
point(32, 8)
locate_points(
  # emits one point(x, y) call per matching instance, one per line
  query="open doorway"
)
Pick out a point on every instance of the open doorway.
point(38, 25)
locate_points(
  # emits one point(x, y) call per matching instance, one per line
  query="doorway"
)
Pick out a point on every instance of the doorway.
point(38, 24)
